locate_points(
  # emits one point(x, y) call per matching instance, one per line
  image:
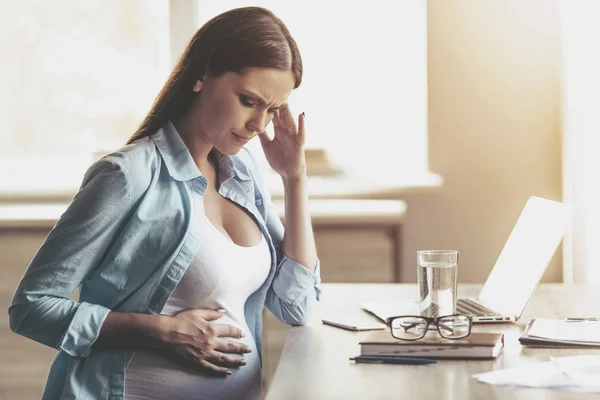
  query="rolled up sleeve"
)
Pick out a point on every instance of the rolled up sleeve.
point(294, 281)
point(84, 329)
point(294, 292)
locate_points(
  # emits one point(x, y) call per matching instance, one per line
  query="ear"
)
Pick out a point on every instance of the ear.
point(198, 86)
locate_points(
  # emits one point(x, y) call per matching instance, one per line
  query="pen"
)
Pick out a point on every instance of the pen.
point(392, 360)
point(581, 319)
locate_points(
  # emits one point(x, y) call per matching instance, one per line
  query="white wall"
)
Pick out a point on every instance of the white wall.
point(494, 133)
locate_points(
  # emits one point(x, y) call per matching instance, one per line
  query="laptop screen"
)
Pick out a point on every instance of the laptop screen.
point(525, 256)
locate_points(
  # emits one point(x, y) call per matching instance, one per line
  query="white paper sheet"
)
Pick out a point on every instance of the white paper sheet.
point(582, 370)
point(574, 373)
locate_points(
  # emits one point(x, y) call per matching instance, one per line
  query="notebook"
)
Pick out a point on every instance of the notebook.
point(517, 271)
point(477, 345)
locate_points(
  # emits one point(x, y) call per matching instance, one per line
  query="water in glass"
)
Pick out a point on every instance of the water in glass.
point(437, 289)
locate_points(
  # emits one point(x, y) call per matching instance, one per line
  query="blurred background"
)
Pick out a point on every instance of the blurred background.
point(430, 123)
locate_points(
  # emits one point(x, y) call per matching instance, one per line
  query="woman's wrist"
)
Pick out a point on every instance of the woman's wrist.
point(293, 182)
point(126, 329)
point(161, 330)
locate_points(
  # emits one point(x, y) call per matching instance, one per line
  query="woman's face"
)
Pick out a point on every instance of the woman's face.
point(233, 108)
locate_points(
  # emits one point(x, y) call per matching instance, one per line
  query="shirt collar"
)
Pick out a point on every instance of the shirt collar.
point(179, 161)
point(228, 168)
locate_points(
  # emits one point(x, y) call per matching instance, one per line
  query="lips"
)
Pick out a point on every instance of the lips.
point(241, 138)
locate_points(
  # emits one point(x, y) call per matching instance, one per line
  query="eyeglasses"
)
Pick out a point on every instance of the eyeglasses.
point(414, 327)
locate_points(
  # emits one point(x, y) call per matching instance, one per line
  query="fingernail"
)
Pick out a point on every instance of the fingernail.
point(228, 372)
point(303, 115)
point(243, 363)
point(248, 350)
point(222, 310)
point(242, 334)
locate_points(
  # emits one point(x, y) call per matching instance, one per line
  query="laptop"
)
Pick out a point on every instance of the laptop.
point(517, 271)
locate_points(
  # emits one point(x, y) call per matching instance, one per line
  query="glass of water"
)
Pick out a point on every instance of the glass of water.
point(437, 273)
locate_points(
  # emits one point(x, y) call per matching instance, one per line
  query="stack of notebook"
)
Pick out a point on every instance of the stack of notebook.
point(475, 346)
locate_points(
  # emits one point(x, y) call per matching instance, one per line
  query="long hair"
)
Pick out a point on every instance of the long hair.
point(238, 39)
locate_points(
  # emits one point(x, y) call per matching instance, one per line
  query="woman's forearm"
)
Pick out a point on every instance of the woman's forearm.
point(132, 330)
point(298, 240)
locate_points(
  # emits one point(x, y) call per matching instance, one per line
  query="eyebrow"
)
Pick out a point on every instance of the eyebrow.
point(259, 98)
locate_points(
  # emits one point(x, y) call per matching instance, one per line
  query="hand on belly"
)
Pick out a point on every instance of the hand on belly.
point(196, 336)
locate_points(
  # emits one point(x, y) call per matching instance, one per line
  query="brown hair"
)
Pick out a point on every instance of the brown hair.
point(238, 39)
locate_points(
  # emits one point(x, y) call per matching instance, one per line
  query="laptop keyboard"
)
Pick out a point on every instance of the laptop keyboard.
point(469, 307)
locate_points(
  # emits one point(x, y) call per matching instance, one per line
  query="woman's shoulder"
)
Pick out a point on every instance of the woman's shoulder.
point(135, 163)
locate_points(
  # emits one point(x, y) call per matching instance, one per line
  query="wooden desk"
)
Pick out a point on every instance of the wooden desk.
point(314, 363)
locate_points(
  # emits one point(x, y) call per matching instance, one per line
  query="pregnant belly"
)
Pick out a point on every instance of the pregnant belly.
point(155, 375)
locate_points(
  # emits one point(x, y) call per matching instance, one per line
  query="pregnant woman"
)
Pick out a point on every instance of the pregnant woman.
point(173, 241)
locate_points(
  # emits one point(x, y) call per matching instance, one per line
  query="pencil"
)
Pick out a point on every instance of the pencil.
point(392, 360)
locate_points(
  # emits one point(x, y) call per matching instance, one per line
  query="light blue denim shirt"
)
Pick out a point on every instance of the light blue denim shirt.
point(125, 241)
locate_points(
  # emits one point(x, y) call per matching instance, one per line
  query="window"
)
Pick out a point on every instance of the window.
point(76, 78)
point(80, 76)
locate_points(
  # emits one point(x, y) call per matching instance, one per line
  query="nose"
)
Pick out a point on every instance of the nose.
point(258, 123)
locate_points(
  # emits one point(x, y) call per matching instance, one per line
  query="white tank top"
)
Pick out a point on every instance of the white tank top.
point(221, 275)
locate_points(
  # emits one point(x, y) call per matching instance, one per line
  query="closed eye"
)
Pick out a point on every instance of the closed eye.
point(247, 102)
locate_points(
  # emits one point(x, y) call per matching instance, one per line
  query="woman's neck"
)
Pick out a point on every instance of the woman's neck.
point(196, 142)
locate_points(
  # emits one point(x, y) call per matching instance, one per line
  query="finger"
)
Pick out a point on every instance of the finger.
point(224, 360)
point(301, 128)
point(277, 120)
point(279, 126)
point(214, 368)
point(228, 331)
point(264, 139)
point(228, 346)
point(208, 315)
point(288, 120)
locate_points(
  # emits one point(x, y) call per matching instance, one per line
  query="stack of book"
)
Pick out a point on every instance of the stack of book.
point(475, 346)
